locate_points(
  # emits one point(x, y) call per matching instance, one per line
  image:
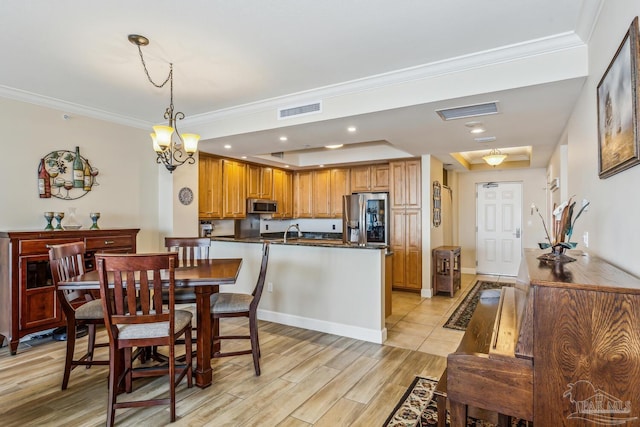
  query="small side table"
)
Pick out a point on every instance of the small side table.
point(446, 269)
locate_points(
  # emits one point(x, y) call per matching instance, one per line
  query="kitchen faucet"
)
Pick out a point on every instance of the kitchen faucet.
point(289, 228)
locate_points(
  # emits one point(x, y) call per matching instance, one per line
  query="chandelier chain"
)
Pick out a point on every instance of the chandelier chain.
point(144, 65)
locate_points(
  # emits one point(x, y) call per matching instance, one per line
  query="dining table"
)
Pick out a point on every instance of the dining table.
point(205, 277)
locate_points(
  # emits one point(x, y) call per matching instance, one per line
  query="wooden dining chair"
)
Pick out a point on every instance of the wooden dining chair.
point(242, 305)
point(131, 293)
point(80, 308)
point(190, 250)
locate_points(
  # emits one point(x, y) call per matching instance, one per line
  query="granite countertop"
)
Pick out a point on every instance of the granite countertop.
point(307, 239)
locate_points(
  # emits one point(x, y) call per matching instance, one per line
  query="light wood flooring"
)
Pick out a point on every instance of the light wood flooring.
point(308, 378)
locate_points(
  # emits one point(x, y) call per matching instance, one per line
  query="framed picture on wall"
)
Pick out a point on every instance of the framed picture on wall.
point(618, 130)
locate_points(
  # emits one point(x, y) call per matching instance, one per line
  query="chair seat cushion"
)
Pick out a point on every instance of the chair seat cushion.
point(154, 330)
point(230, 303)
point(90, 310)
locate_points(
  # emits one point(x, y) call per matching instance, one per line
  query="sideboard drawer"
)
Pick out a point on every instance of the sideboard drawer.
point(40, 246)
point(107, 242)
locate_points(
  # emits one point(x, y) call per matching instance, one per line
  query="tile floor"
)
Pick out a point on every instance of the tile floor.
point(416, 323)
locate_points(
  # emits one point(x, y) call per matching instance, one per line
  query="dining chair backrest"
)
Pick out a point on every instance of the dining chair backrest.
point(66, 261)
point(257, 291)
point(189, 249)
point(131, 289)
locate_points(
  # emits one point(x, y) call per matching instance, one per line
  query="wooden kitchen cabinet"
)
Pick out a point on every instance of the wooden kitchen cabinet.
point(321, 190)
point(406, 228)
point(209, 187)
point(340, 185)
point(303, 194)
point(283, 193)
point(318, 193)
point(370, 178)
point(406, 244)
point(405, 190)
point(259, 182)
point(234, 191)
point(28, 299)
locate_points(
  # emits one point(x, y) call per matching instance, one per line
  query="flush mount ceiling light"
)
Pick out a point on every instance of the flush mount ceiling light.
point(283, 138)
point(476, 127)
point(494, 158)
point(169, 152)
point(351, 129)
point(334, 146)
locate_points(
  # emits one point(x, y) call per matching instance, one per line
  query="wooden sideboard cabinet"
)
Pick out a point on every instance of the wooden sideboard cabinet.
point(446, 269)
point(28, 301)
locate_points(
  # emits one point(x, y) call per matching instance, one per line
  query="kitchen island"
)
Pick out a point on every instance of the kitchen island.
point(321, 285)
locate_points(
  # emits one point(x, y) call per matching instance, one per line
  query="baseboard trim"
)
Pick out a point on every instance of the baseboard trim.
point(370, 335)
point(426, 293)
point(466, 270)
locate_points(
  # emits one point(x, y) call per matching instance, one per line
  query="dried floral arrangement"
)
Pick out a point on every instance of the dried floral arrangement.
point(563, 226)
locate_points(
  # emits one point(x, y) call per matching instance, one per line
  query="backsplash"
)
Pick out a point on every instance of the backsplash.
point(225, 227)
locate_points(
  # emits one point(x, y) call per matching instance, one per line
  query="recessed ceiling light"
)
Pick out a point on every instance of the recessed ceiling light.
point(477, 130)
point(286, 166)
point(333, 146)
point(352, 129)
point(320, 166)
point(283, 138)
point(244, 157)
point(227, 146)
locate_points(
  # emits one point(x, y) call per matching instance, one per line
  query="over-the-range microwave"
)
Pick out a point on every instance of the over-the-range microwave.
point(262, 206)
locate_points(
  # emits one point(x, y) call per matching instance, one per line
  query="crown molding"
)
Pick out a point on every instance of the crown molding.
point(514, 52)
point(70, 107)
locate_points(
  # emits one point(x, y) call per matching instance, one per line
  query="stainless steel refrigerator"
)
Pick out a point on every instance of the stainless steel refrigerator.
point(365, 219)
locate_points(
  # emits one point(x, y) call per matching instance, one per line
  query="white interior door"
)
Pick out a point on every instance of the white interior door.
point(499, 228)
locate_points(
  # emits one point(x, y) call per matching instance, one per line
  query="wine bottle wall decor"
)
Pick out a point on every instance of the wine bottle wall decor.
point(66, 175)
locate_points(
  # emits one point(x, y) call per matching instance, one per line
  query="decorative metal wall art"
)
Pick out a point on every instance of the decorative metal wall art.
point(65, 175)
point(437, 206)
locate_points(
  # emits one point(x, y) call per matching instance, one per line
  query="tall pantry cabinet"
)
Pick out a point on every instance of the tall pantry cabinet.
point(406, 230)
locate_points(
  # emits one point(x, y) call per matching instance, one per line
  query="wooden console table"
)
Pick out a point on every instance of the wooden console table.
point(446, 269)
point(28, 300)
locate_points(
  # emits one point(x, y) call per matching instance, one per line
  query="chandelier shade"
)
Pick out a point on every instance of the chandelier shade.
point(171, 152)
point(494, 158)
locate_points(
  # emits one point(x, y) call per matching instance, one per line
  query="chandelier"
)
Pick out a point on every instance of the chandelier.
point(171, 153)
point(494, 158)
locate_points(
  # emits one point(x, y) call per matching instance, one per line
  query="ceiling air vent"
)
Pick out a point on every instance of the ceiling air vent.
point(300, 110)
point(469, 111)
point(485, 139)
point(279, 154)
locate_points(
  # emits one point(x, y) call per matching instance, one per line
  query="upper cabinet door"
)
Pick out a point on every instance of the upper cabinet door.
point(405, 184)
point(209, 187)
point(235, 189)
point(259, 182)
point(339, 187)
point(380, 177)
point(303, 194)
point(283, 193)
point(321, 193)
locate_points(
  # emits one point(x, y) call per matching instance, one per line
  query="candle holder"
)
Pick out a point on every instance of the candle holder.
point(49, 217)
point(58, 216)
point(94, 217)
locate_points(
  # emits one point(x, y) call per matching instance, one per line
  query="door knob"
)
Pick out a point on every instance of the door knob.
point(517, 233)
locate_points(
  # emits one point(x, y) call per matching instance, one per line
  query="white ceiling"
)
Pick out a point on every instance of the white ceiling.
point(233, 57)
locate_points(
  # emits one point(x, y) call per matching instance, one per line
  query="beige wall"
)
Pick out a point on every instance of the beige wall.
point(612, 219)
point(127, 194)
point(534, 191)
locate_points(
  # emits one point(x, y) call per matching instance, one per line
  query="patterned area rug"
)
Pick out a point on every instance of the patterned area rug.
point(417, 408)
point(461, 316)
